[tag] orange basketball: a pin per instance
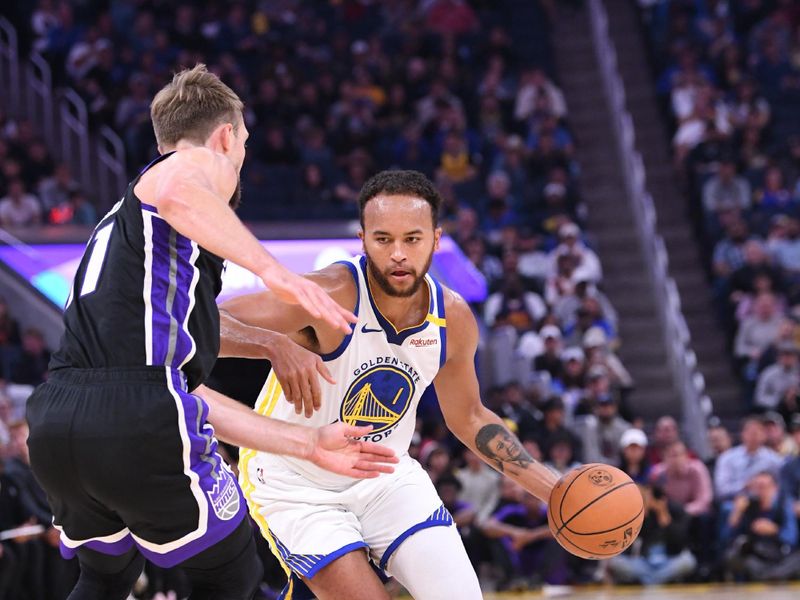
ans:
(595, 511)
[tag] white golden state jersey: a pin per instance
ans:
(380, 374)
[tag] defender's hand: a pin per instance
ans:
(298, 370)
(335, 450)
(293, 289)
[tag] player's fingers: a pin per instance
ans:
(326, 374)
(369, 466)
(316, 393)
(307, 396)
(356, 430)
(290, 391)
(306, 300)
(385, 453)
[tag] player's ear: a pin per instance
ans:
(437, 236)
(227, 137)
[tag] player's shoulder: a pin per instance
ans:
(337, 280)
(461, 323)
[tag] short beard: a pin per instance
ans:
(236, 197)
(386, 286)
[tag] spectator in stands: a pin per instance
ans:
(31, 366)
(573, 379)
(665, 556)
(786, 250)
(756, 275)
(571, 244)
(451, 17)
(735, 467)
(729, 252)
(665, 433)
(726, 190)
(549, 360)
(596, 348)
(480, 485)
(776, 437)
(567, 306)
(536, 91)
(790, 472)
(553, 428)
(55, 190)
(762, 528)
(719, 441)
(685, 480)
(633, 457)
(601, 432)
(19, 208)
(561, 455)
(527, 538)
(775, 197)
(588, 316)
(756, 332)
(77, 210)
(779, 384)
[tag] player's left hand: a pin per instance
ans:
(298, 370)
(336, 450)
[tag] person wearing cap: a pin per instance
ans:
(633, 457)
(777, 438)
(595, 345)
(778, 385)
(601, 432)
(569, 235)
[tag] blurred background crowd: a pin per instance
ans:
(467, 92)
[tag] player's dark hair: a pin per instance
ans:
(400, 183)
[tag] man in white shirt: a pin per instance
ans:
(18, 208)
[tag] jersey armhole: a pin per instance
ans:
(346, 341)
(443, 320)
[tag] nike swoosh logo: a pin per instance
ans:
(364, 329)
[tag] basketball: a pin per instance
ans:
(595, 511)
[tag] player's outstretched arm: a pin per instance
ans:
(476, 426)
(193, 198)
(332, 447)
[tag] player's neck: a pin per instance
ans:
(402, 312)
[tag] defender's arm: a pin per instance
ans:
(193, 198)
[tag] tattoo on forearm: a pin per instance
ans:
(501, 446)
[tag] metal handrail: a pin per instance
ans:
(9, 64)
(111, 154)
(40, 96)
(75, 121)
(683, 361)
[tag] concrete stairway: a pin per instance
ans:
(653, 142)
(626, 279)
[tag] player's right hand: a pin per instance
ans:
(298, 371)
(294, 289)
(336, 449)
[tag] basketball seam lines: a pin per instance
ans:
(601, 496)
(572, 531)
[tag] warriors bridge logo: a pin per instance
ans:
(379, 397)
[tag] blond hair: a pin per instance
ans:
(192, 105)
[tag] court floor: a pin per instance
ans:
(698, 592)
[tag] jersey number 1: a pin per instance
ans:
(97, 257)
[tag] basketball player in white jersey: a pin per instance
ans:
(412, 335)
